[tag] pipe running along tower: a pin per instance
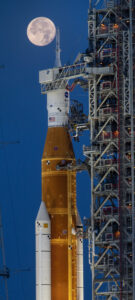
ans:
(107, 70)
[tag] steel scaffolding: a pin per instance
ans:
(111, 153)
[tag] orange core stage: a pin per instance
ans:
(59, 195)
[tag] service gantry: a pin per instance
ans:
(111, 29)
(107, 70)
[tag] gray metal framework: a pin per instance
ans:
(111, 152)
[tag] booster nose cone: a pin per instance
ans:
(43, 214)
(43, 254)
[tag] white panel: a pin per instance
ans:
(58, 107)
(45, 242)
(100, 70)
(43, 292)
(46, 76)
(80, 294)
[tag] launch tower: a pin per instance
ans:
(111, 153)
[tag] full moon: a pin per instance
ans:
(41, 31)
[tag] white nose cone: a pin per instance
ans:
(43, 254)
(43, 214)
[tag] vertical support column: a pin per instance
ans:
(92, 217)
(126, 71)
(69, 237)
(92, 29)
(132, 137)
(92, 113)
(92, 97)
(92, 105)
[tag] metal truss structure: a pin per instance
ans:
(107, 69)
(111, 154)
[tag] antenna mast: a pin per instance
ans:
(58, 50)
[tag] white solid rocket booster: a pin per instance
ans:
(43, 254)
(80, 282)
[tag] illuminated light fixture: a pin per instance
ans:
(115, 26)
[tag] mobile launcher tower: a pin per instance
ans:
(107, 70)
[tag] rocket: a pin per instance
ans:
(59, 231)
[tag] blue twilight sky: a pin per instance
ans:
(23, 119)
